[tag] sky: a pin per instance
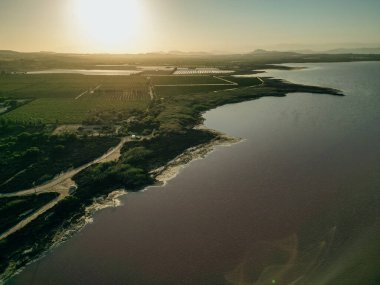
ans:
(139, 26)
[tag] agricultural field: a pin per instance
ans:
(243, 81)
(63, 85)
(45, 86)
(170, 91)
(71, 111)
(70, 98)
(186, 85)
(75, 98)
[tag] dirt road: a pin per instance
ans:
(60, 185)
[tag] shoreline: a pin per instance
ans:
(162, 175)
(173, 168)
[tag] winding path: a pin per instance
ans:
(60, 185)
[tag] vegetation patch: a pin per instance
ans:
(29, 155)
(15, 209)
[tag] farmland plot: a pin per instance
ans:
(66, 99)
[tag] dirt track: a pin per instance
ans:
(60, 185)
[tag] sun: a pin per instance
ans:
(110, 24)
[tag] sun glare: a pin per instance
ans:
(110, 24)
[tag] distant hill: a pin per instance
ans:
(263, 52)
(354, 50)
(8, 53)
(177, 52)
(12, 61)
(332, 51)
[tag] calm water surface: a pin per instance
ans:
(296, 201)
(86, 72)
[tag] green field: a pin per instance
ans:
(70, 111)
(72, 98)
(170, 91)
(64, 85)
